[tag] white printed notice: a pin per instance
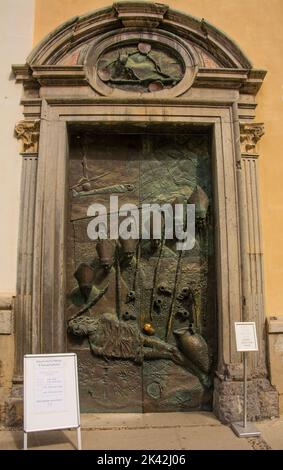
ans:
(51, 394)
(49, 385)
(246, 339)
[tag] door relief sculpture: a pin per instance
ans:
(141, 313)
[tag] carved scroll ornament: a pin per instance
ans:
(28, 133)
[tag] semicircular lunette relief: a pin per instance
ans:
(141, 67)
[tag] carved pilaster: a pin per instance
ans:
(249, 138)
(228, 388)
(28, 133)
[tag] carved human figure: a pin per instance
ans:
(86, 295)
(97, 282)
(127, 251)
(112, 338)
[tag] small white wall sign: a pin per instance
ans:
(51, 393)
(246, 338)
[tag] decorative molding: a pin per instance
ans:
(59, 75)
(29, 156)
(207, 36)
(254, 81)
(28, 133)
(22, 72)
(249, 138)
(79, 75)
(32, 107)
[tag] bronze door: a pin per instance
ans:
(140, 313)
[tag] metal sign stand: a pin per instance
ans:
(245, 429)
(79, 439)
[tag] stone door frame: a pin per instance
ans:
(59, 96)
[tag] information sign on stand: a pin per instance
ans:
(51, 393)
(246, 340)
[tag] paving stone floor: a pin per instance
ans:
(162, 431)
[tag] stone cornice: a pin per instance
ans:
(59, 75)
(247, 81)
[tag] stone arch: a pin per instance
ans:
(69, 39)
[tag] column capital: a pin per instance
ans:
(28, 133)
(250, 134)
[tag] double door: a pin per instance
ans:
(140, 313)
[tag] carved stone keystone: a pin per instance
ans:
(140, 13)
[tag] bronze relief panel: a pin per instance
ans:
(141, 314)
(141, 63)
(140, 67)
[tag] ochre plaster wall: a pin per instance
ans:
(256, 25)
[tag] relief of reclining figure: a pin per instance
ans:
(111, 338)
